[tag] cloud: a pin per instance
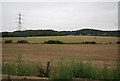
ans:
(61, 15)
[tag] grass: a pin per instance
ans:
(76, 68)
(63, 69)
(21, 68)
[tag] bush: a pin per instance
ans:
(110, 42)
(118, 42)
(22, 41)
(53, 42)
(8, 41)
(87, 42)
(93, 42)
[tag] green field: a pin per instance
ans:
(65, 39)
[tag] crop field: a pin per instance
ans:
(74, 60)
(99, 53)
(66, 39)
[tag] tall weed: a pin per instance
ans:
(21, 68)
(76, 68)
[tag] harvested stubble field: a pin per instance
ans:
(104, 52)
(99, 53)
(65, 39)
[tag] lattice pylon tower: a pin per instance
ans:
(20, 22)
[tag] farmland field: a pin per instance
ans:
(99, 53)
(66, 39)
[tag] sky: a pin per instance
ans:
(60, 16)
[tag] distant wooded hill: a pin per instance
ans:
(89, 32)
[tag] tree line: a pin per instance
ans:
(31, 33)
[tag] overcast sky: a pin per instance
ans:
(61, 16)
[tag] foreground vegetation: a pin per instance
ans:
(21, 68)
(76, 68)
(61, 69)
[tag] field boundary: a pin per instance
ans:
(30, 78)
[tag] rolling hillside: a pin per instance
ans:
(88, 32)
